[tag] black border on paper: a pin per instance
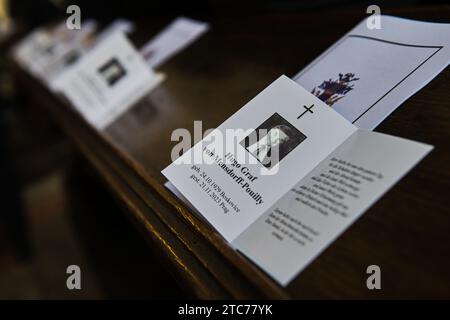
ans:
(385, 41)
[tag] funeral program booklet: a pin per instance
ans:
(174, 38)
(286, 174)
(369, 72)
(107, 81)
(49, 50)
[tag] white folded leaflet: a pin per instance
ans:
(49, 50)
(107, 81)
(283, 213)
(177, 36)
(36, 43)
(63, 63)
(312, 138)
(368, 73)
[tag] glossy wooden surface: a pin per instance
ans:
(406, 233)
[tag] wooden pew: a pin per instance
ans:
(406, 233)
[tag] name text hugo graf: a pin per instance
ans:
(238, 173)
(243, 180)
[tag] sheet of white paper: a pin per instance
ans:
(64, 64)
(327, 201)
(48, 51)
(232, 195)
(119, 25)
(177, 36)
(35, 44)
(107, 81)
(367, 74)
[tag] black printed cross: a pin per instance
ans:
(307, 109)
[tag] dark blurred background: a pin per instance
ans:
(55, 210)
(39, 11)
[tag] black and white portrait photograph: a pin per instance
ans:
(273, 140)
(112, 71)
